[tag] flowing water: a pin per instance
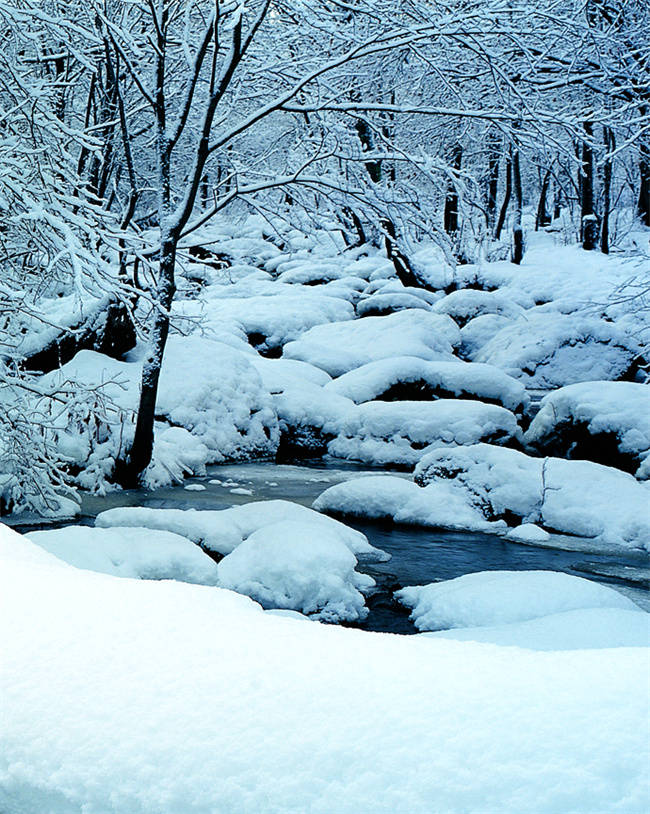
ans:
(418, 555)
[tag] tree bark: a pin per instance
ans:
(610, 145)
(542, 218)
(493, 184)
(588, 217)
(450, 218)
(643, 204)
(517, 228)
(506, 200)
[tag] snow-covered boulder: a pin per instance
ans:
(570, 497)
(547, 349)
(298, 566)
(342, 346)
(309, 418)
(389, 302)
(478, 332)
(221, 531)
(401, 432)
(409, 378)
(280, 374)
(469, 303)
(139, 553)
(501, 597)
(605, 422)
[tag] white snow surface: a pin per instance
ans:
(223, 530)
(298, 566)
(587, 628)
(502, 597)
(139, 553)
(619, 408)
(342, 346)
(459, 379)
(401, 432)
(190, 698)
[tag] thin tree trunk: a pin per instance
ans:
(610, 145)
(643, 205)
(588, 218)
(506, 200)
(451, 198)
(542, 218)
(493, 184)
(517, 228)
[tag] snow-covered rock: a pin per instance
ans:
(280, 374)
(389, 302)
(605, 422)
(342, 346)
(501, 597)
(221, 531)
(139, 553)
(546, 349)
(111, 688)
(571, 497)
(478, 332)
(528, 533)
(298, 566)
(401, 432)
(410, 378)
(469, 303)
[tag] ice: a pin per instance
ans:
(298, 566)
(401, 377)
(502, 597)
(129, 552)
(223, 530)
(124, 695)
(342, 346)
(617, 409)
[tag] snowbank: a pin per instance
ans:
(186, 698)
(605, 422)
(502, 597)
(298, 566)
(129, 552)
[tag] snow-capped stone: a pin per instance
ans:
(139, 553)
(501, 597)
(298, 566)
(605, 422)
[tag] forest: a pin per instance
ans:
(324, 406)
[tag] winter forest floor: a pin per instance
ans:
(191, 647)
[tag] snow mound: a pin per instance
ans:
(401, 432)
(584, 629)
(389, 302)
(502, 597)
(280, 374)
(547, 349)
(129, 552)
(410, 378)
(571, 497)
(342, 346)
(298, 566)
(478, 332)
(162, 697)
(605, 422)
(469, 303)
(223, 530)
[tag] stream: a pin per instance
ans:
(418, 555)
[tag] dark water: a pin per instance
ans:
(418, 555)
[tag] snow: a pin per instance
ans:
(190, 698)
(528, 533)
(546, 349)
(621, 409)
(590, 628)
(279, 374)
(297, 566)
(457, 379)
(475, 487)
(342, 346)
(388, 302)
(467, 304)
(502, 597)
(401, 432)
(129, 552)
(223, 530)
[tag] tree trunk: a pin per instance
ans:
(517, 228)
(610, 145)
(643, 205)
(451, 198)
(493, 184)
(542, 218)
(506, 200)
(588, 218)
